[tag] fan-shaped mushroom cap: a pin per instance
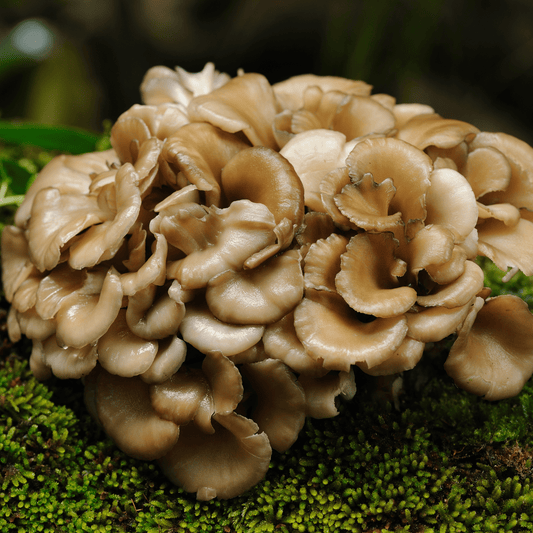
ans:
(323, 262)
(142, 122)
(322, 393)
(450, 202)
(68, 174)
(507, 213)
(66, 362)
(126, 413)
(330, 330)
(313, 154)
(184, 397)
(403, 113)
(225, 382)
(259, 296)
(290, 92)
(507, 246)
(432, 324)
(16, 263)
(262, 175)
(152, 316)
(151, 271)
(432, 130)
(458, 292)
(365, 204)
(170, 356)
(233, 107)
(55, 219)
(492, 356)
(519, 155)
(29, 323)
(217, 239)
(408, 167)
(123, 353)
(161, 84)
(227, 463)
(280, 408)
(404, 358)
(368, 280)
(208, 334)
(281, 343)
(102, 241)
(487, 170)
(199, 151)
(85, 316)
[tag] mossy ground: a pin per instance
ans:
(444, 462)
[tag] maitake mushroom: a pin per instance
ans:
(217, 275)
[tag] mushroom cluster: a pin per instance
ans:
(215, 277)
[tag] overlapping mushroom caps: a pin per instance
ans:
(216, 276)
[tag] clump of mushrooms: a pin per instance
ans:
(215, 277)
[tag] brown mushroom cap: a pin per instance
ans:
(507, 246)
(330, 330)
(170, 356)
(322, 393)
(16, 263)
(199, 151)
(208, 334)
(290, 92)
(227, 463)
(404, 358)
(233, 107)
(313, 154)
(280, 342)
(492, 356)
(66, 362)
(126, 413)
(68, 174)
(264, 176)
(123, 353)
(408, 167)
(216, 240)
(258, 296)
(184, 397)
(368, 280)
(280, 409)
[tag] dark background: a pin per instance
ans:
(469, 59)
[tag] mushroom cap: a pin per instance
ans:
(184, 397)
(123, 353)
(68, 174)
(290, 92)
(208, 334)
(330, 330)
(127, 416)
(280, 342)
(66, 362)
(258, 296)
(280, 408)
(368, 280)
(223, 465)
(232, 108)
(322, 393)
(407, 166)
(264, 176)
(313, 154)
(216, 240)
(493, 354)
(171, 353)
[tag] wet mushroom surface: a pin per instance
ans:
(245, 251)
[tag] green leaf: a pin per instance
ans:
(49, 137)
